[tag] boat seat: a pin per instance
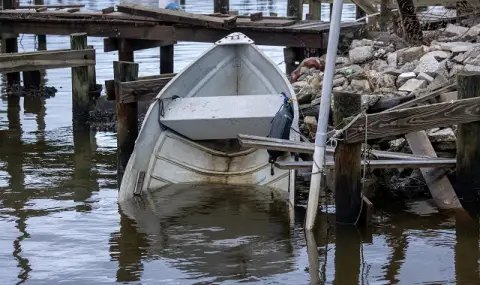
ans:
(222, 117)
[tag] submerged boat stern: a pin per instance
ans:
(232, 88)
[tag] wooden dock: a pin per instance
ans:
(275, 32)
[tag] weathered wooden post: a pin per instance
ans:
(127, 121)
(468, 148)
(80, 84)
(221, 6)
(315, 9)
(411, 25)
(291, 54)
(166, 59)
(33, 79)
(92, 75)
(348, 186)
(11, 46)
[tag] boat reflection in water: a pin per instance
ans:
(215, 232)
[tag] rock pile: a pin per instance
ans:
(386, 71)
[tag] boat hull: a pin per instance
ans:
(234, 68)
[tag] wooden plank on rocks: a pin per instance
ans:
(375, 164)
(178, 17)
(429, 96)
(440, 187)
(45, 60)
(409, 120)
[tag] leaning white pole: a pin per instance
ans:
(321, 136)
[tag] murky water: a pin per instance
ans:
(60, 221)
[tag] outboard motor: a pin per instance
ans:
(280, 128)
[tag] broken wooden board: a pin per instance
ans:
(53, 6)
(426, 97)
(413, 119)
(440, 187)
(305, 147)
(143, 89)
(176, 17)
(16, 62)
(375, 164)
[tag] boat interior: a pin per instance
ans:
(230, 90)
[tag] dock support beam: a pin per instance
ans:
(348, 186)
(166, 59)
(127, 114)
(468, 148)
(221, 6)
(80, 84)
(11, 46)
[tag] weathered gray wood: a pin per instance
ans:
(429, 96)
(11, 47)
(110, 89)
(46, 60)
(53, 6)
(98, 29)
(92, 74)
(80, 84)
(301, 147)
(108, 10)
(8, 4)
(295, 8)
(438, 184)
(409, 120)
(166, 59)
(128, 45)
(315, 9)
(256, 16)
(171, 16)
(31, 79)
(468, 147)
(376, 164)
(127, 114)
(348, 187)
(221, 6)
(142, 89)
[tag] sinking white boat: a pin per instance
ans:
(189, 134)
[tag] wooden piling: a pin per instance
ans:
(166, 59)
(80, 84)
(315, 9)
(348, 199)
(221, 6)
(92, 75)
(289, 57)
(32, 79)
(11, 46)
(410, 22)
(42, 39)
(468, 148)
(127, 114)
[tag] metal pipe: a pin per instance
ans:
(321, 135)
